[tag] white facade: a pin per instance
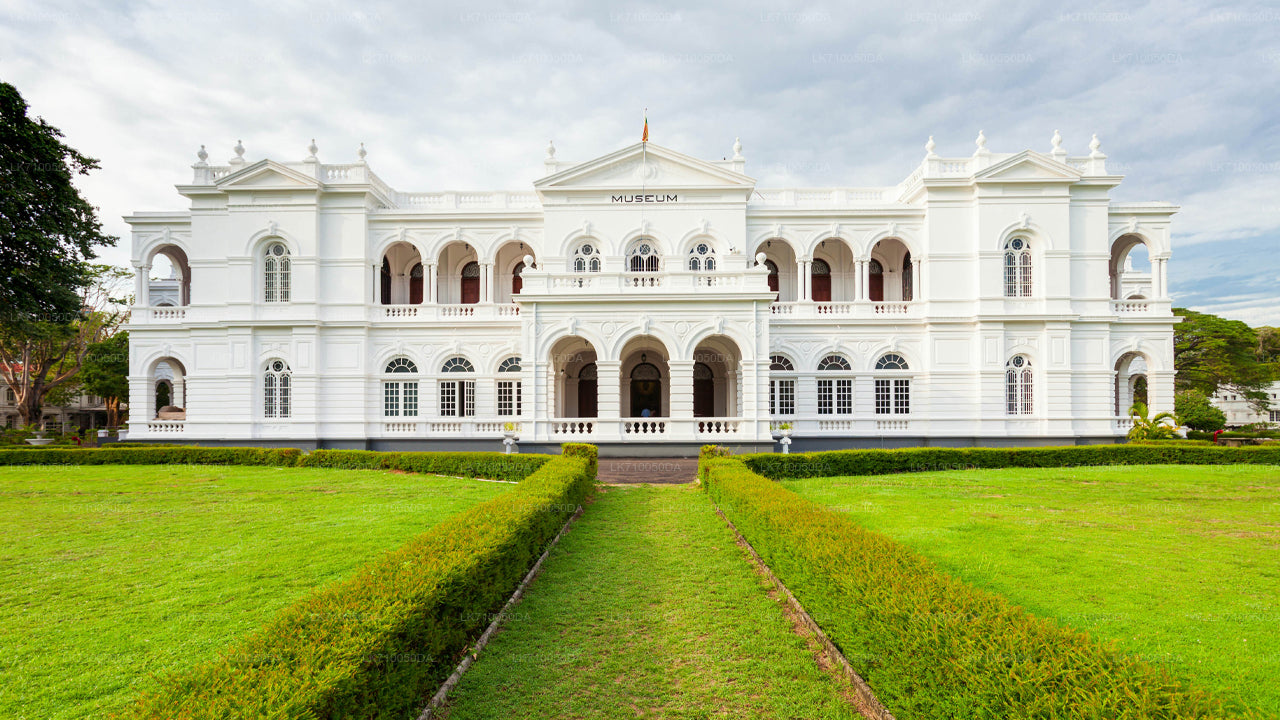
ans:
(980, 300)
(1240, 413)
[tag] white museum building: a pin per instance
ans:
(649, 301)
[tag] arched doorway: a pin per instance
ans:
(415, 284)
(821, 274)
(1130, 269)
(169, 389)
(471, 283)
(588, 391)
(875, 289)
(704, 391)
(781, 263)
(1131, 384)
(890, 257)
(385, 281)
(517, 282)
(646, 389)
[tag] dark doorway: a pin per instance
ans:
(471, 283)
(517, 282)
(588, 391)
(385, 278)
(821, 281)
(704, 391)
(908, 278)
(415, 285)
(773, 276)
(876, 273)
(646, 390)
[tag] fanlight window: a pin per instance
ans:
(457, 365)
(643, 257)
(780, 363)
(820, 267)
(702, 371)
(586, 259)
(511, 364)
(891, 361)
(471, 270)
(1018, 386)
(401, 365)
(702, 257)
(834, 362)
(1017, 267)
(276, 274)
(276, 386)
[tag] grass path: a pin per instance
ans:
(109, 574)
(647, 608)
(1179, 565)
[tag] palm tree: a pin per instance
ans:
(1160, 427)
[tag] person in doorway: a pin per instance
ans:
(645, 413)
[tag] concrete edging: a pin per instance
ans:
(869, 705)
(474, 652)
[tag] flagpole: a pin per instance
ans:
(644, 166)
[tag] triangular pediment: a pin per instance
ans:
(647, 165)
(266, 175)
(1028, 166)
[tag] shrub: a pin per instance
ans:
(152, 455)
(929, 645)
(1173, 441)
(879, 462)
(378, 644)
(590, 452)
(1196, 411)
(490, 465)
(714, 451)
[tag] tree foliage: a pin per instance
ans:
(47, 230)
(39, 357)
(1160, 427)
(1196, 412)
(1211, 353)
(105, 372)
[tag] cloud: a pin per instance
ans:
(456, 95)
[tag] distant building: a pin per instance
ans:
(1240, 412)
(85, 412)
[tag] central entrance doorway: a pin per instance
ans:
(704, 391)
(587, 391)
(646, 390)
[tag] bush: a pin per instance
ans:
(490, 465)
(1189, 442)
(879, 462)
(378, 644)
(152, 455)
(1195, 411)
(714, 451)
(929, 645)
(589, 452)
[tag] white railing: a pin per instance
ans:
(863, 309)
(400, 311)
(834, 308)
(468, 200)
(541, 282)
(400, 428)
(1124, 423)
(893, 425)
(717, 427)
(819, 197)
(430, 312)
(165, 426)
(892, 308)
(1123, 307)
(168, 314)
(573, 426)
(635, 427)
(834, 425)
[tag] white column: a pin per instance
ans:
(866, 280)
(804, 280)
(1163, 278)
(917, 279)
(429, 282)
(486, 276)
(857, 279)
(681, 388)
(608, 388)
(141, 289)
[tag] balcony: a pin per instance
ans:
(859, 309)
(1142, 308)
(671, 282)
(431, 312)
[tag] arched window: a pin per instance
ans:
(1018, 391)
(892, 394)
(782, 391)
(908, 277)
(835, 395)
(400, 396)
(780, 363)
(510, 400)
(834, 362)
(457, 397)
(702, 257)
(820, 273)
(875, 274)
(276, 274)
(586, 259)
(643, 256)
(276, 396)
(1017, 267)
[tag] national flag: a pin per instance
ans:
(645, 136)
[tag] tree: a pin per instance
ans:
(38, 357)
(47, 230)
(1211, 353)
(105, 372)
(1160, 427)
(1196, 412)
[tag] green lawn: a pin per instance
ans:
(647, 608)
(111, 573)
(1179, 565)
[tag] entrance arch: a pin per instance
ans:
(645, 380)
(1131, 384)
(576, 389)
(716, 381)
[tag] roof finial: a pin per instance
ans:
(737, 150)
(981, 142)
(1094, 145)
(929, 146)
(1058, 153)
(239, 151)
(313, 150)
(551, 150)
(202, 154)
(361, 153)
(1057, 140)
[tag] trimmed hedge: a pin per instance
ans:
(590, 452)
(165, 455)
(379, 644)
(879, 462)
(490, 465)
(929, 645)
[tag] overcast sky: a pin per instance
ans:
(1184, 96)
